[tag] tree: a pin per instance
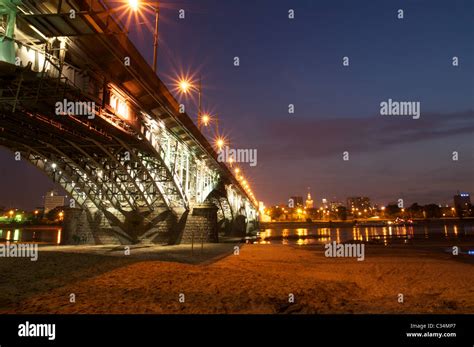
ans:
(392, 210)
(342, 213)
(53, 215)
(275, 213)
(415, 210)
(432, 211)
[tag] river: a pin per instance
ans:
(382, 235)
(39, 234)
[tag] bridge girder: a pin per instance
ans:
(171, 165)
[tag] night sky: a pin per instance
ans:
(337, 108)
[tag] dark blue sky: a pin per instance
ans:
(299, 62)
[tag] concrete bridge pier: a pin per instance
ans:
(81, 226)
(201, 225)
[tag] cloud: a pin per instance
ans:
(315, 138)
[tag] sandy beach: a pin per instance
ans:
(261, 279)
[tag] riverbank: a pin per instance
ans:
(260, 279)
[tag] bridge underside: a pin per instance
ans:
(134, 168)
(119, 189)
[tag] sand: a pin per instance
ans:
(261, 279)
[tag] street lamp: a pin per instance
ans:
(185, 86)
(205, 119)
(135, 6)
(220, 142)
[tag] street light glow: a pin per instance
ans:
(205, 119)
(220, 142)
(134, 4)
(184, 86)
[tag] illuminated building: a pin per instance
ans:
(53, 200)
(358, 203)
(462, 203)
(309, 202)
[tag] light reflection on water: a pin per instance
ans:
(382, 235)
(49, 235)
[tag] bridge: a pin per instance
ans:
(79, 102)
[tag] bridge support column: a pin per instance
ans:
(201, 224)
(239, 226)
(79, 227)
(76, 229)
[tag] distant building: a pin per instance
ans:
(52, 200)
(334, 205)
(462, 203)
(325, 203)
(309, 202)
(297, 201)
(358, 203)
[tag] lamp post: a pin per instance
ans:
(135, 6)
(200, 103)
(155, 37)
(185, 87)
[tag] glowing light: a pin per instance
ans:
(220, 142)
(119, 105)
(237, 170)
(205, 119)
(58, 240)
(184, 86)
(134, 4)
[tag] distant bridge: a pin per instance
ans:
(136, 169)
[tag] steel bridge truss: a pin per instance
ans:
(122, 168)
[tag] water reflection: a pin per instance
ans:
(47, 235)
(376, 234)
